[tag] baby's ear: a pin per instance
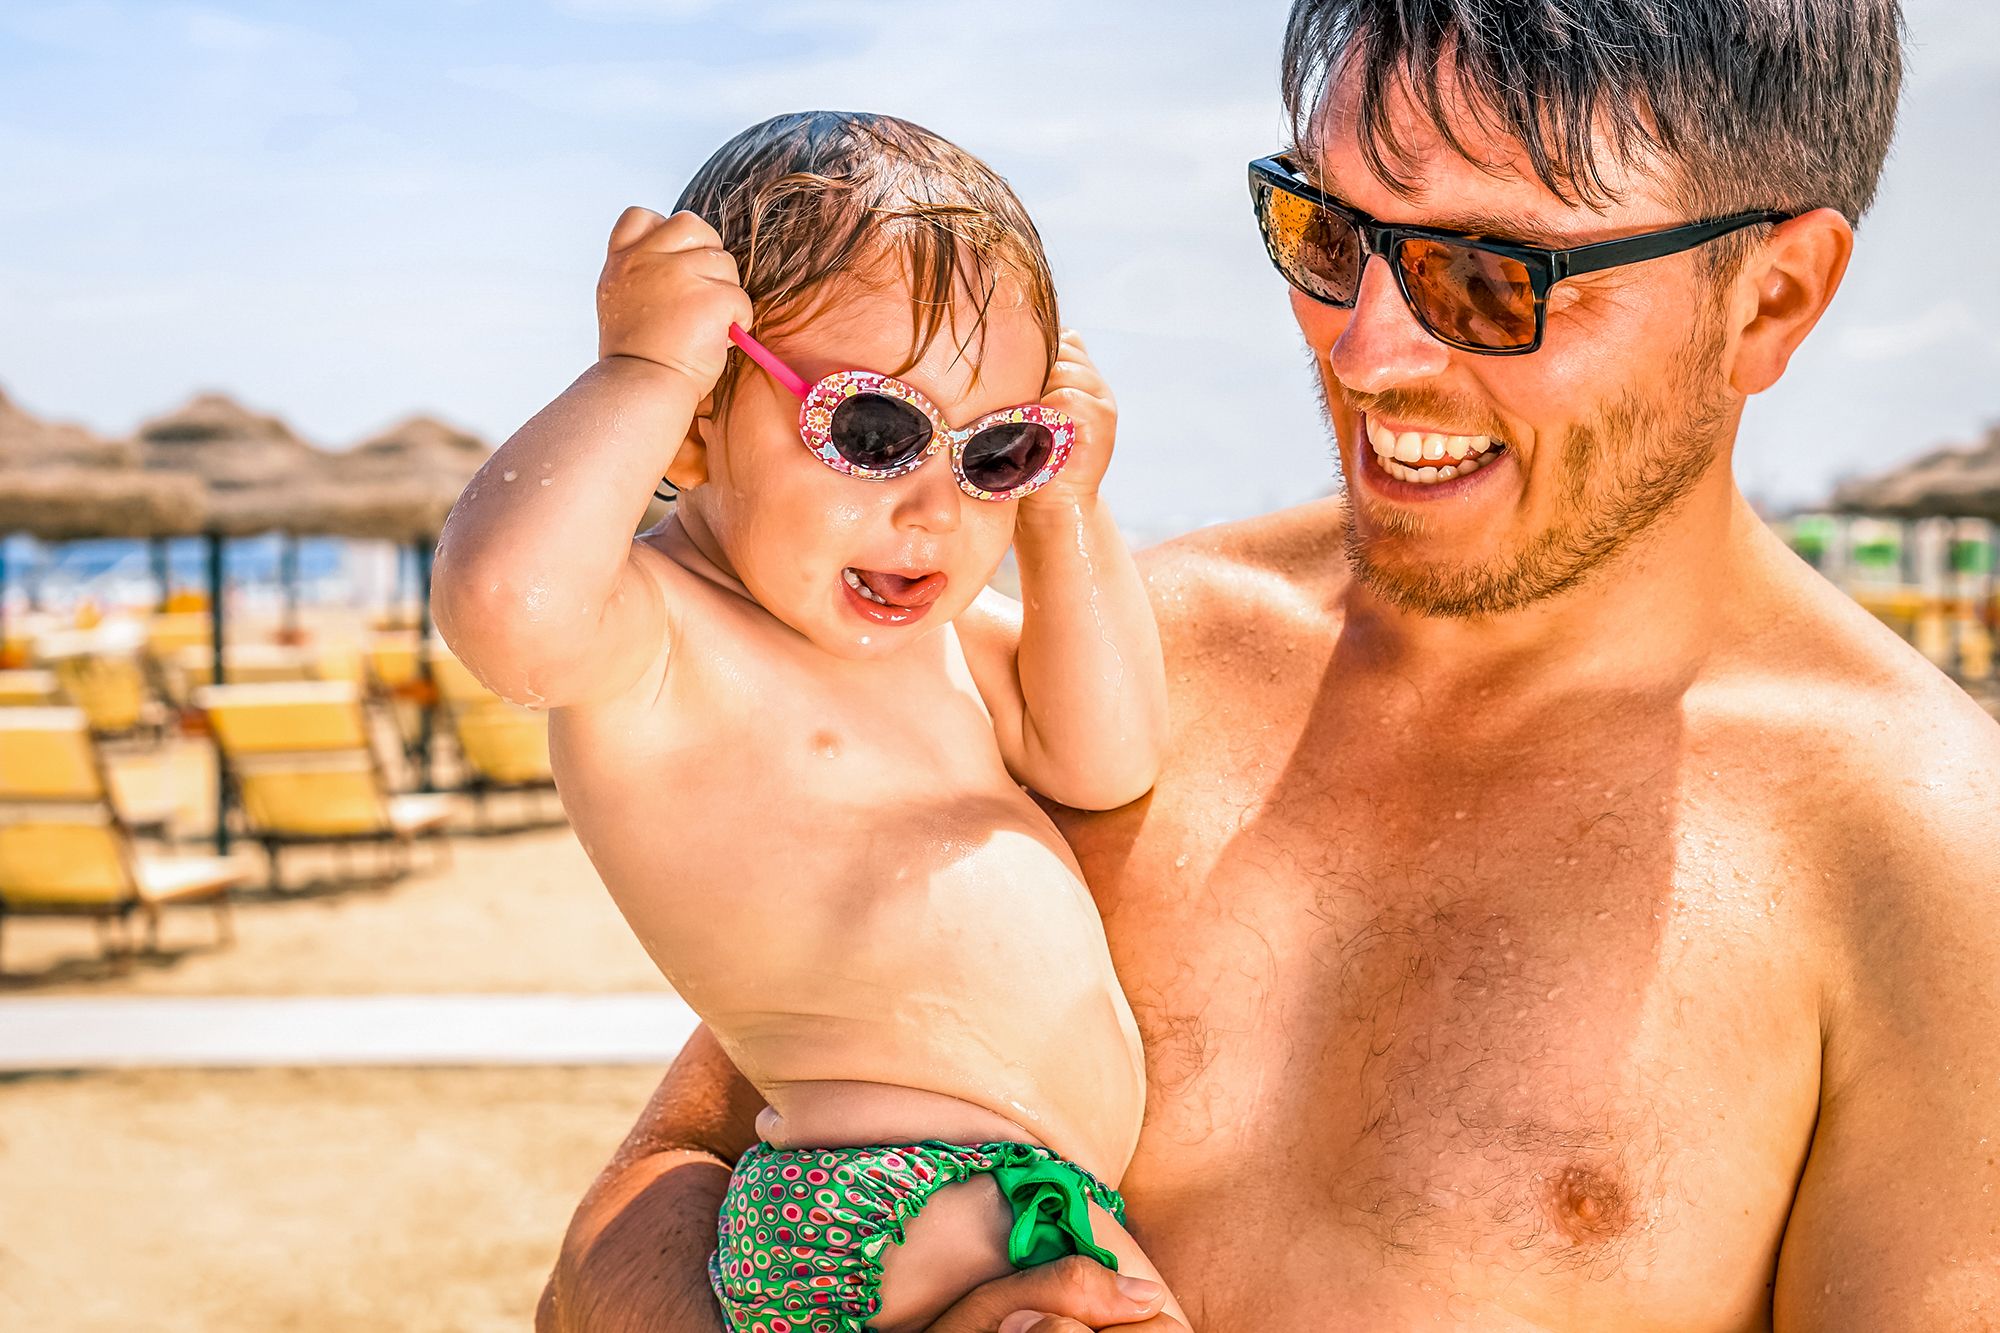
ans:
(689, 467)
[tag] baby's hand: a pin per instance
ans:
(1075, 387)
(668, 294)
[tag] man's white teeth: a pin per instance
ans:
(1432, 473)
(854, 582)
(1427, 456)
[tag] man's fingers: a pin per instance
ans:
(1034, 1321)
(1074, 1289)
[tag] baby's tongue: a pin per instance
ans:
(904, 592)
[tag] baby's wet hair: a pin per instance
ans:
(809, 196)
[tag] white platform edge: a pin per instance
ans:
(213, 1032)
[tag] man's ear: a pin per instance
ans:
(689, 467)
(1783, 290)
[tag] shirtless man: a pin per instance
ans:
(1561, 909)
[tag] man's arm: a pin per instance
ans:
(635, 1259)
(1897, 1222)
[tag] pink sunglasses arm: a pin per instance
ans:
(764, 357)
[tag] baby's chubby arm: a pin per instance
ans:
(539, 586)
(1073, 675)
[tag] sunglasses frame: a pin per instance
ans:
(1546, 267)
(818, 401)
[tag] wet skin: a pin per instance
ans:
(1626, 961)
(791, 731)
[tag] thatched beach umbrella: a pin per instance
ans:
(252, 467)
(1958, 482)
(61, 482)
(401, 485)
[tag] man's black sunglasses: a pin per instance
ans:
(1469, 292)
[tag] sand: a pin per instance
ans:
(418, 1200)
(423, 1201)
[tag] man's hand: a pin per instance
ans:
(1075, 387)
(668, 293)
(1075, 1295)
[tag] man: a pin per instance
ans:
(1561, 909)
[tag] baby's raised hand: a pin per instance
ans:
(668, 294)
(1075, 387)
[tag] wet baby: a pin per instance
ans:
(792, 727)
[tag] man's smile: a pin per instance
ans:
(1427, 457)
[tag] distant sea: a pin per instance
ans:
(118, 572)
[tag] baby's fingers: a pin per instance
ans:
(642, 229)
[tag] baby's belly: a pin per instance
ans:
(838, 1114)
(966, 979)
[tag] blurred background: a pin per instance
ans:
(312, 1012)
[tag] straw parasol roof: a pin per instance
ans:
(28, 441)
(1958, 482)
(61, 482)
(401, 484)
(258, 472)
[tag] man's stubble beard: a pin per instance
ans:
(1624, 470)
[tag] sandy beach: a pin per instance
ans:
(423, 1201)
(319, 1199)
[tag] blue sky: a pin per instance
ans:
(345, 212)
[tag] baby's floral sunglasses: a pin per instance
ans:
(877, 427)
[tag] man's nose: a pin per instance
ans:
(930, 500)
(1383, 347)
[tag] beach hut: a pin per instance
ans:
(1961, 481)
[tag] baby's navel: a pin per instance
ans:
(826, 744)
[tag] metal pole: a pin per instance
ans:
(288, 574)
(423, 550)
(162, 573)
(215, 593)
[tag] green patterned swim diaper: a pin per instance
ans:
(802, 1231)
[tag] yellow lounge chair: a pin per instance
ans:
(302, 770)
(48, 755)
(504, 747)
(64, 851)
(396, 682)
(29, 689)
(111, 690)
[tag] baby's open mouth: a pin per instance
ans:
(894, 598)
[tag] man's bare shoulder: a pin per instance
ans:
(1889, 772)
(1275, 573)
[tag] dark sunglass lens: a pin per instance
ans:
(877, 432)
(1473, 298)
(1318, 251)
(1000, 458)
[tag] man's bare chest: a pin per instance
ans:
(1495, 1023)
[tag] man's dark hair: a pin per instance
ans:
(1782, 104)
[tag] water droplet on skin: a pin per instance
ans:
(1180, 862)
(1458, 814)
(546, 480)
(509, 475)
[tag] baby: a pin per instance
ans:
(792, 729)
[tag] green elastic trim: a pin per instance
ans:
(1051, 1214)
